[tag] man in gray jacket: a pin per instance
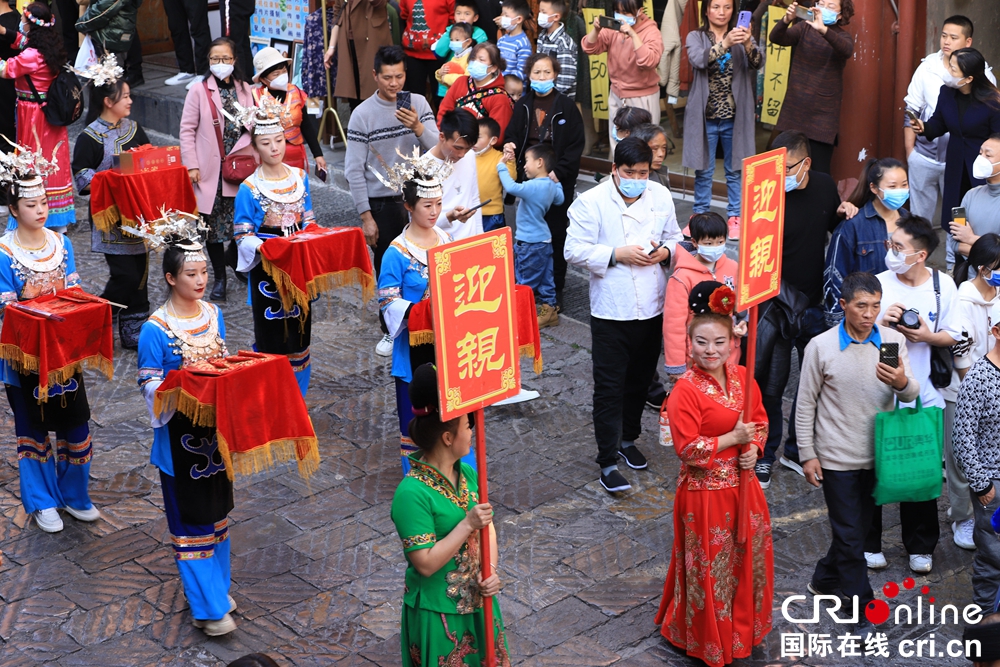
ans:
(842, 387)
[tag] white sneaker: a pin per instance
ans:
(963, 533)
(83, 515)
(232, 604)
(179, 78)
(48, 520)
(194, 82)
(384, 347)
(876, 561)
(223, 626)
(921, 563)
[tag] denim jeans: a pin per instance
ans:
(533, 267)
(718, 130)
(496, 221)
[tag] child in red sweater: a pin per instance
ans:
(708, 261)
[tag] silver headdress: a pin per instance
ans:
(425, 170)
(26, 168)
(262, 119)
(173, 229)
(104, 72)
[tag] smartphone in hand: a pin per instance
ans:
(403, 100)
(888, 354)
(804, 13)
(609, 23)
(744, 20)
(321, 174)
(958, 216)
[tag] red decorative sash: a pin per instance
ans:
(317, 260)
(421, 328)
(57, 350)
(254, 403)
(124, 198)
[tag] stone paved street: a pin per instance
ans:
(317, 568)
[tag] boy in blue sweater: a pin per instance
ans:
(532, 238)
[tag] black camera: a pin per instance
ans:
(909, 319)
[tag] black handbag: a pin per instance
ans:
(941, 359)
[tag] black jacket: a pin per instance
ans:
(567, 138)
(778, 324)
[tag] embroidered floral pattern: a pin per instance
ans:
(724, 565)
(463, 648)
(463, 581)
(421, 540)
(761, 546)
(713, 652)
(435, 480)
(415, 655)
(725, 475)
(707, 385)
(695, 567)
(699, 452)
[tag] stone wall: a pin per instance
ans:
(985, 14)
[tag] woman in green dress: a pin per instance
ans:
(438, 518)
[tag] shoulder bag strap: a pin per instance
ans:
(38, 98)
(937, 298)
(215, 119)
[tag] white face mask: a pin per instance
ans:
(221, 71)
(544, 20)
(897, 263)
(982, 168)
(279, 82)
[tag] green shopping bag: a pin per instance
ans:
(908, 452)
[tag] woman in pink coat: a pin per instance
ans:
(215, 97)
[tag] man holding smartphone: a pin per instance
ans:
(843, 385)
(378, 128)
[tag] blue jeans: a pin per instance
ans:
(491, 222)
(717, 130)
(533, 267)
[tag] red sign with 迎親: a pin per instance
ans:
(762, 228)
(472, 304)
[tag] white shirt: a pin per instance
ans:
(975, 322)
(599, 222)
(461, 189)
(922, 298)
(922, 97)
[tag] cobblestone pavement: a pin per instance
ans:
(317, 568)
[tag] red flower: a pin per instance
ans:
(722, 301)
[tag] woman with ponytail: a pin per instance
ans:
(858, 243)
(37, 66)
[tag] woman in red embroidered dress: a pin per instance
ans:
(717, 598)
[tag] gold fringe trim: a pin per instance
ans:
(22, 362)
(422, 337)
(176, 399)
(304, 451)
(111, 218)
(292, 295)
(528, 352)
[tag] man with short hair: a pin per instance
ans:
(842, 387)
(812, 211)
(909, 285)
(981, 203)
(926, 157)
(459, 133)
(623, 231)
(376, 130)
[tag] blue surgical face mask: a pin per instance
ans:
(894, 198)
(456, 46)
(478, 70)
(543, 87)
(829, 16)
(627, 20)
(632, 187)
(22, 28)
(994, 279)
(712, 253)
(618, 138)
(792, 180)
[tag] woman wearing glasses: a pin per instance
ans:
(859, 243)
(210, 111)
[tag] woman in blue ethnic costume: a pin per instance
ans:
(109, 132)
(404, 279)
(197, 494)
(438, 517)
(273, 202)
(36, 261)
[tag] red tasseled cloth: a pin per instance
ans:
(528, 338)
(124, 198)
(316, 260)
(57, 350)
(229, 394)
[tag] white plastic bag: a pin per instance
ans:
(87, 56)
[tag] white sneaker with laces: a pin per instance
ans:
(179, 78)
(194, 82)
(963, 533)
(876, 561)
(48, 520)
(921, 563)
(384, 347)
(223, 626)
(83, 515)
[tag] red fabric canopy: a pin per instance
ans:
(316, 260)
(528, 338)
(124, 198)
(255, 405)
(58, 350)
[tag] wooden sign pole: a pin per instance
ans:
(744, 512)
(485, 550)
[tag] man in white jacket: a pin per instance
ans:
(624, 232)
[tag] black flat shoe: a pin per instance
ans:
(218, 290)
